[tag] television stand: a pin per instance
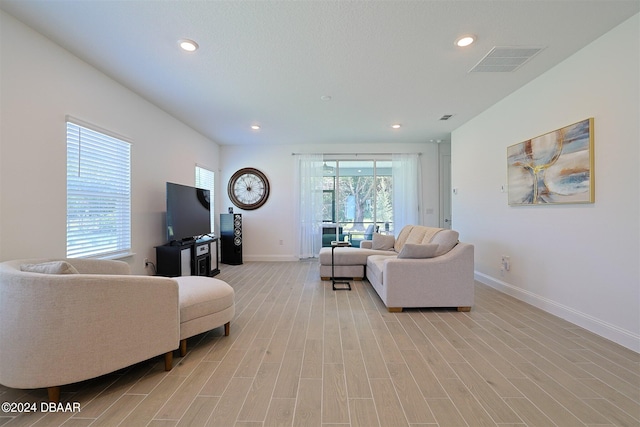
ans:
(188, 258)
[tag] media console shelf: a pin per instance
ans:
(193, 258)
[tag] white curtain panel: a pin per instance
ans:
(407, 190)
(309, 173)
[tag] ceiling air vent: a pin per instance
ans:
(505, 59)
(446, 117)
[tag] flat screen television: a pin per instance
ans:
(188, 212)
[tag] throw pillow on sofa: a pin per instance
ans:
(447, 239)
(410, 250)
(383, 242)
(53, 267)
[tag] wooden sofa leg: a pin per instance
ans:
(168, 360)
(464, 309)
(394, 309)
(183, 347)
(325, 279)
(227, 326)
(54, 394)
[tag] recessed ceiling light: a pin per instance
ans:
(325, 97)
(188, 45)
(465, 40)
(255, 127)
(396, 126)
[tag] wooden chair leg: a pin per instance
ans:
(183, 347)
(226, 329)
(54, 394)
(168, 360)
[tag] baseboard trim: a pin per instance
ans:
(606, 330)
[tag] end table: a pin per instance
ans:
(336, 244)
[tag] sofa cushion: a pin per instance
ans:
(366, 244)
(349, 255)
(383, 242)
(52, 267)
(410, 250)
(430, 233)
(446, 240)
(415, 234)
(402, 237)
(375, 267)
(201, 296)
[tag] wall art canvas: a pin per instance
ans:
(557, 167)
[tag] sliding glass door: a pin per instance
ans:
(357, 200)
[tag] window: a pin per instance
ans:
(98, 193)
(329, 204)
(205, 179)
(358, 193)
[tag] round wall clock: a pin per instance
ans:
(248, 188)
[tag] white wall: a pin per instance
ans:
(263, 228)
(580, 262)
(40, 84)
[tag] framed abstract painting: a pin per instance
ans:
(557, 167)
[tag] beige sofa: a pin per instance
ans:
(57, 328)
(422, 267)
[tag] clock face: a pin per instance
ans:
(248, 189)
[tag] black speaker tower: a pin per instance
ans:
(231, 238)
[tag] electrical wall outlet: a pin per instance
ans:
(506, 262)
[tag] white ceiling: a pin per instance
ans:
(270, 62)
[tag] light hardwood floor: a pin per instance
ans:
(300, 354)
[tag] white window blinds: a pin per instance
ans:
(205, 179)
(98, 193)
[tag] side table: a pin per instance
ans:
(336, 244)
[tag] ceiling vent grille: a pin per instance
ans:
(505, 59)
(446, 117)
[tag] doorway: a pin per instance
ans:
(444, 153)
